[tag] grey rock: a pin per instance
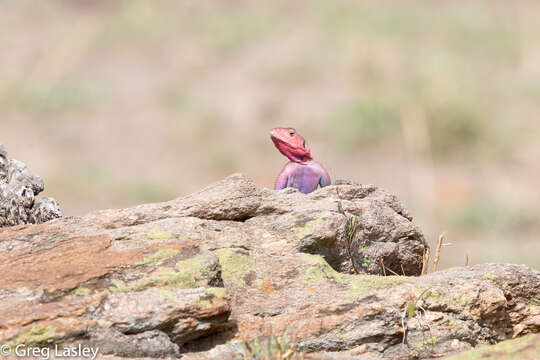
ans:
(18, 195)
(355, 228)
(152, 344)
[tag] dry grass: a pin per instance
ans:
(438, 252)
(272, 348)
(425, 262)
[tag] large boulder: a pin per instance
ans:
(201, 274)
(19, 188)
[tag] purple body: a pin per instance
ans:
(304, 177)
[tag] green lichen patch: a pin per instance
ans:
(236, 265)
(534, 302)
(205, 303)
(441, 298)
(194, 272)
(309, 227)
(167, 293)
(464, 299)
(158, 256)
(343, 335)
(431, 294)
(494, 279)
(525, 347)
(216, 292)
(363, 284)
(431, 342)
(319, 270)
(199, 271)
(171, 279)
(81, 290)
(119, 286)
(156, 234)
(452, 325)
(88, 287)
(489, 276)
(35, 337)
(166, 277)
(210, 293)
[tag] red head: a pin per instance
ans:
(291, 144)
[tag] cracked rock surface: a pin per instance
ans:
(19, 188)
(195, 276)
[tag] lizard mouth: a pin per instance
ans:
(279, 143)
(294, 153)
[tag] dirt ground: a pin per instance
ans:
(119, 103)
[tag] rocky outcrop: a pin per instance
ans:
(524, 348)
(18, 195)
(201, 274)
(369, 317)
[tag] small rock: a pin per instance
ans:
(18, 191)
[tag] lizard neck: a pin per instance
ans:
(294, 154)
(291, 144)
(300, 160)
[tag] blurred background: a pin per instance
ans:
(117, 103)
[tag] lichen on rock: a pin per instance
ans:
(197, 275)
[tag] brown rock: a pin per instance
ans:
(233, 262)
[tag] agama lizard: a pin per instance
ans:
(302, 172)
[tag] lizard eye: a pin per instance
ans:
(291, 133)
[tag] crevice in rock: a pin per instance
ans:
(267, 314)
(210, 341)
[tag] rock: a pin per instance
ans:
(403, 317)
(355, 228)
(153, 344)
(524, 348)
(18, 191)
(199, 275)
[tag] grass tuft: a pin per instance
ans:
(271, 348)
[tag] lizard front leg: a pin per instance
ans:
(281, 181)
(325, 179)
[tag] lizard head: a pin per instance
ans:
(291, 144)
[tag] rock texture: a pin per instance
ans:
(18, 195)
(198, 275)
(524, 348)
